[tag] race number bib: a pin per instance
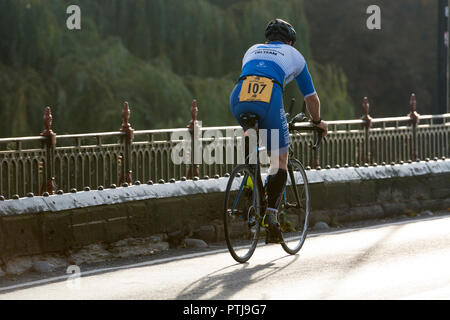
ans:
(256, 88)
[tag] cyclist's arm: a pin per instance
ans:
(313, 106)
(305, 83)
(312, 101)
(306, 86)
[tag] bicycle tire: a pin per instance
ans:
(242, 214)
(294, 211)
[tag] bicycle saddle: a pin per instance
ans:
(248, 120)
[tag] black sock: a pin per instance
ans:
(274, 187)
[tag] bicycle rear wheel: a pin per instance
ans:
(242, 213)
(294, 208)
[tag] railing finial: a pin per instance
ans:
(367, 124)
(194, 112)
(126, 126)
(48, 120)
(192, 169)
(125, 174)
(412, 110)
(366, 116)
(48, 184)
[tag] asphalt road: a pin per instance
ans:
(406, 260)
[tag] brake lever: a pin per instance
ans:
(301, 117)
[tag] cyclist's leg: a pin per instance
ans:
(277, 146)
(276, 182)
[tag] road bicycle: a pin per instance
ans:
(245, 200)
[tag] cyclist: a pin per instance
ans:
(266, 69)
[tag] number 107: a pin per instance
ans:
(254, 87)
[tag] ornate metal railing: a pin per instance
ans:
(50, 163)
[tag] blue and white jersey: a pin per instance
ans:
(278, 61)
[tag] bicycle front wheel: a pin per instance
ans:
(242, 213)
(294, 208)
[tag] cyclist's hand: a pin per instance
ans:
(324, 126)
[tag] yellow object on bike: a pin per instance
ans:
(249, 184)
(263, 223)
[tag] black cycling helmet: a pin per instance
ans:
(279, 29)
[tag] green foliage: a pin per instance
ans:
(213, 96)
(331, 85)
(96, 88)
(335, 101)
(23, 97)
(158, 55)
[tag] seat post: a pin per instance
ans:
(247, 144)
(250, 121)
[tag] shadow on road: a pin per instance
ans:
(232, 279)
(352, 266)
